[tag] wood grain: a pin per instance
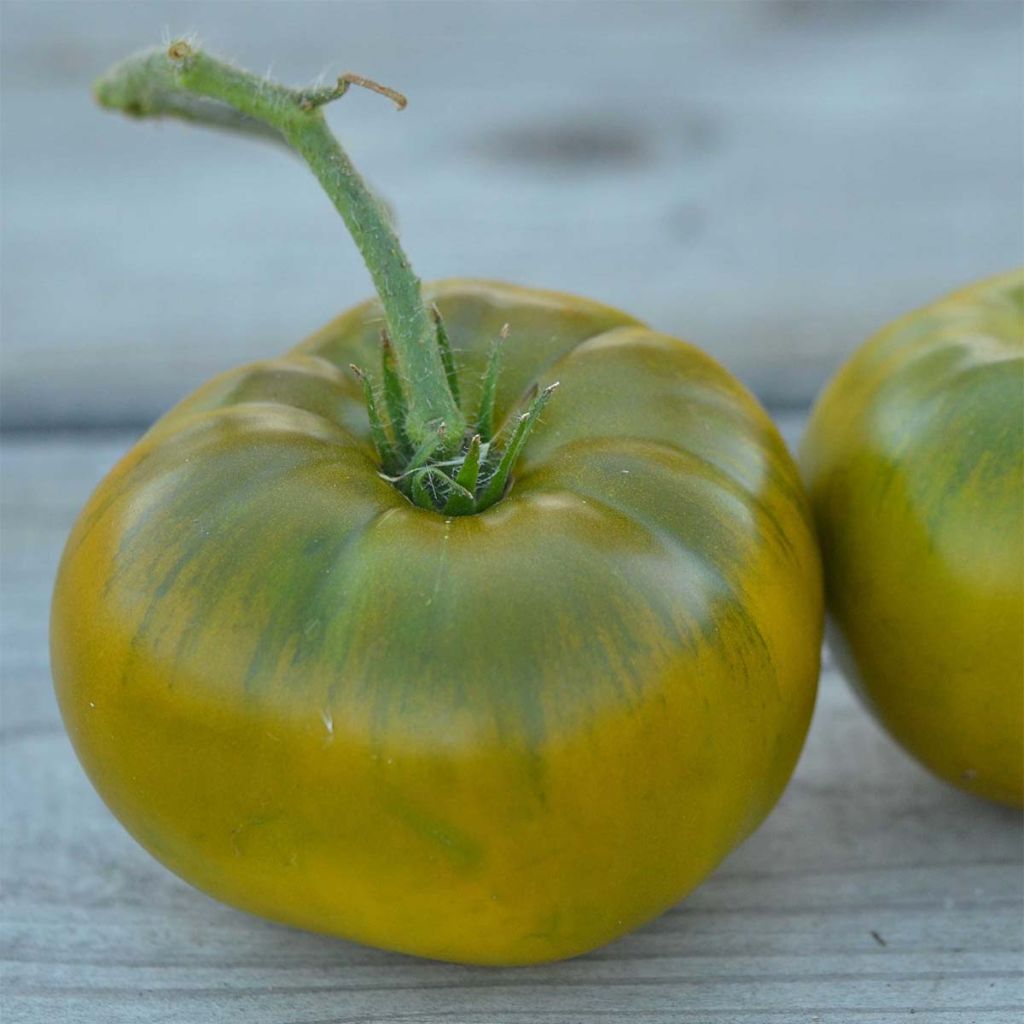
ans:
(772, 181)
(873, 894)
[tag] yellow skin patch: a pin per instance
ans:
(914, 458)
(500, 738)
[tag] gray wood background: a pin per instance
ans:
(772, 181)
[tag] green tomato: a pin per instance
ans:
(915, 462)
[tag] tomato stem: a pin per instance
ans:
(184, 82)
(416, 424)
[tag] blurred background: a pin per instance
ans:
(770, 180)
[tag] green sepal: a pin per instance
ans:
(446, 355)
(462, 498)
(495, 487)
(394, 396)
(420, 495)
(425, 450)
(485, 417)
(424, 498)
(378, 433)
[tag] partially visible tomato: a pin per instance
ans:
(915, 461)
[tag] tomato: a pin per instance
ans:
(505, 737)
(419, 657)
(914, 457)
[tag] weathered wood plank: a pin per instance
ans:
(770, 180)
(872, 894)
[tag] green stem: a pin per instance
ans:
(145, 85)
(186, 83)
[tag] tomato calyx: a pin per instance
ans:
(429, 475)
(427, 445)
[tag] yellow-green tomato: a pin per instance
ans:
(915, 461)
(498, 738)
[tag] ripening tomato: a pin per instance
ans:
(391, 658)
(915, 461)
(504, 737)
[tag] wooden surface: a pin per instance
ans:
(772, 181)
(873, 894)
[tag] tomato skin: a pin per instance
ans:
(502, 738)
(914, 458)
